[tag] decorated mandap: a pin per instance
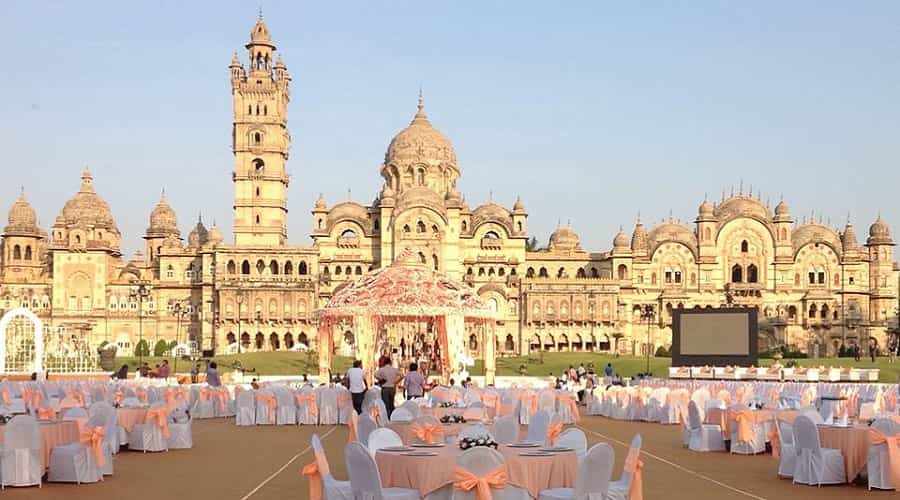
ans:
(411, 313)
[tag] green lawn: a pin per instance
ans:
(296, 363)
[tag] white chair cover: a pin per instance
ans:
(20, 454)
(506, 429)
(365, 482)
(309, 408)
(331, 488)
(263, 415)
(401, 415)
(365, 425)
(592, 482)
(286, 409)
(328, 407)
(574, 438)
(481, 461)
(148, 436)
(877, 463)
(815, 465)
(703, 437)
(537, 427)
(344, 404)
(75, 462)
(111, 438)
(757, 444)
(620, 489)
(383, 438)
(180, 434)
(787, 459)
(246, 409)
(200, 408)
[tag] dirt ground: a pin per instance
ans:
(263, 463)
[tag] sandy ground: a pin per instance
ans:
(263, 463)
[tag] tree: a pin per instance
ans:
(142, 348)
(160, 348)
(532, 245)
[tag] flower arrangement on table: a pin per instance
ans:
(453, 419)
(447, 404)
(473, 441)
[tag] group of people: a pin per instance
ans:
(389, 378)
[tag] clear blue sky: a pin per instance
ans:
(591, 111)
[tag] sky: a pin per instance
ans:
(592, 112)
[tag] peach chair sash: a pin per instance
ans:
(490, 399)
(161, 415)
(119, 396)
(530, 399)
(893, 453)
(170, 397)
(465, 480)
(46, 413)
(344, 400)
(311, 470)
(569, 399)
(32, 396)
(141, 394)
(93, 440)
(775, 440)
(4, 394)
(428, 433)
(635, 466)
(374, 412)
(744, 420)
(76, 395)
(268, 400)
(351, 427)
(310, 400)
(553, 432)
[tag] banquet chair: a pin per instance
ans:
(81, 462)
(111, 436)
(266, 406)
(383, 438)
(365, 482)
(377, 410)
(592, 481)
(151, 435)
(77, 415)
(574, 438)
(756, 443)
(246, 409)
(20, 453)
(423, 422)
(815, 465)
(866, 412)
(286, 407)
(878, 464)
(508, 405)
(401, 415)
(481, 462)
(308, 408)
(787, 459)
(506, 430)
(537, 427)
(477, 430)
(131, 402)
(620, 489)
(475, 411)
(703, 437)
(547, 400)
(332, 489)
(327, 406)
(412, 407)
(813, 414)
(202, 404)
(364, 428)
(180, 434)
(344, 404)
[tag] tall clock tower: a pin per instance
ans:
(260, 141)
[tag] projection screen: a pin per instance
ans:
(726, 336)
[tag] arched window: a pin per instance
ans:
(707, 234)
(752, 274)
(561, 272)
(258, 165)
(480, 271)
(17, 252)
(783, 234)
(792, 312)
(464, 227)
(288, 268)
(257, 138)
(420, 227)
(273, 267)
(491, 271)
(737, 274)
(338, 270)
(406, 229)
(543, 272)
(745, 247)
(231, 267)
(812, 311)
(622, 271)
(170, 272)
(249, 109)
(434, 262)
(529, 273)
(348, 271)
(594, 273)
(260, 267)
(420, 177)
(824, 312)
(321, 224)
(358, 271)
(260, 340)
(245, 267)
(301, 268)
(473, 342)
(28, 252)
(422, 258)
(580, 274)
(348, 233)
(492, 235)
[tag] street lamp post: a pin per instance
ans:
(178, 310)
(141, 293)
(239, 299)
(648, 314)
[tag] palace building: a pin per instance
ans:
(816, 287)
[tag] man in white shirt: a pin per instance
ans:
(356, 380)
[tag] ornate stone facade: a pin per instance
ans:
(816, 287)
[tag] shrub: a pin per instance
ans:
(160, 348)
(662, 352)
(142, 348)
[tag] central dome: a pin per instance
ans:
(87, 209)
(22, 217)
(420, 142)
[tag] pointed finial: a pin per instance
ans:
(569, 222)
(421, 100)
(491, 195)
(670, 215)
(260, 11)
(848, 218)
(741, 188)
(732, 190)
(638, 221)
(750, 191)
(348, 194)
(200, 217)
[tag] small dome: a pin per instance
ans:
(879, 232)
(162, 219)
(848, 238)
(639, 238)
(782, 213)
(198, 236)
(420, 142)
(260, 33)
(813, 233)
(706, 208)
(87, 208)
(565, 239)
(518, 206)
(621, 240)
(214, 236)
(742, 206)
(320, 203)
(235, 62)
(279, 64)
(672, 231)
(22, 217)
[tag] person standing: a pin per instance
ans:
(414, 383)
(387, 377)
(212, 375)
(356, 382)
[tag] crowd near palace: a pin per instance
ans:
(816, 287)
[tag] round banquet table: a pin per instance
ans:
(129, 417)
(853, 443)
(404, 430)
(53, 434)
(441, 412)
(718, 416)
(429, 474)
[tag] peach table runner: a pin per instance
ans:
(429, 474)
(405, 430)
(53, 434)
(853, 442)
(129, 417)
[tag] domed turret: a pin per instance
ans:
(214, 237)
(22, 218)
(848, 239)
(320, 203)
(706, 210)
(199, 235)
(162, 219)
(260, 33)
(518, 206)
(879, 233)
(564, 239)
(782, 213)
(639, 238)
(620, 242)
(88, 218)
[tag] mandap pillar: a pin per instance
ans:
(326, 345)
(490, 354)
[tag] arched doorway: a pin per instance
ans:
(535, 343)
(302, 339)
(230, 338)
(509, 345)
(245, 340)
(274, 342)
(21, 342)
(563, 344)
(288, 340)
(259, 341)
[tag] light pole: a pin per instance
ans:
(648, 314)
(179, 311)
(141, 293)
(239, 299)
